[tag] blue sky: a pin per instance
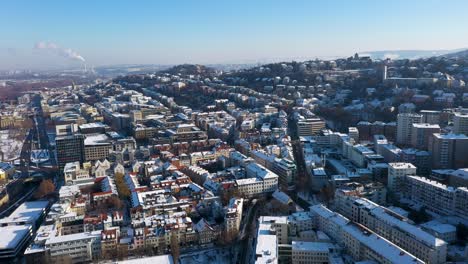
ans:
(168, 32)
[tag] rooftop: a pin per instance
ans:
(439, 227)
(401, 165)
(312, 246)
(162, 259)
(450, 136)
(28, 212)
(74, 237)
(12, 235)
(380, 245)
(266, 248)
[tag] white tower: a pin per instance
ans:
(384, 72)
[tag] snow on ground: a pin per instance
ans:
(215, 255)
(11, 143)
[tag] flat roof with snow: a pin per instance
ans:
(13, 235)
(162, 259)
(28, 212)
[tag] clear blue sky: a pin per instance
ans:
(205, 31)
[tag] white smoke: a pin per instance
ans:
(56, 49)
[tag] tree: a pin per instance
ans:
(227, 194)
(122, 188)
(462, 233)
(419, 216)
(45, 188)
(115, 202)
(327, 193)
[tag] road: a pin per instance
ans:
(245, 236)
(36, 132)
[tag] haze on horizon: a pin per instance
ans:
(57, 34)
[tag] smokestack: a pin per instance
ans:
(85, 68)
(384, 76)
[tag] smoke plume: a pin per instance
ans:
(56, 49)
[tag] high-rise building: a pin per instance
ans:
(421, 134)
(69, 149)
(309, 127)
(353, 133)
(460, 123)
(448, 151)
(430, 116)
(397, 172)
(405, 127)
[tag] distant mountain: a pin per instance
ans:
(459, 54)
(406, 54)
(190, 69)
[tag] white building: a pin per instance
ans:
(233, 216)
(73, 172)
(259, 181)
(76, 248)
(358, 241)
(28, 213)
(460, 123)
(272, 231)
(393, 227)
(405, 123)
(353, 133)
(311, 252)
(14, 239)
(397, 172)
(437, 197)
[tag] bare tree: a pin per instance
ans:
(46, 187)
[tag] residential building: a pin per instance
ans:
(397, 172)
(421, 134)
(449, 151)
(358, 241)
(437, 197)
(311, 252)
(460, 123)
(405, 123)
(393, 227)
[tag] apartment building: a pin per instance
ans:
(421, 134)
(397, 172)
(358, 241)
(74, 172)
(233, 216)
(437, 197)
(460, 123)
(405, 123)
(393, 227)
(258, 181)
(430, 116)
(449, 151)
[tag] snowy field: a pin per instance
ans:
(11, 142)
